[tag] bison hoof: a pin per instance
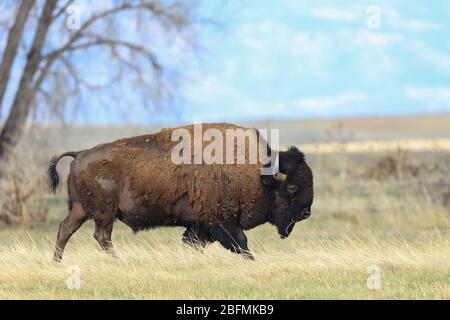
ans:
(248, 256)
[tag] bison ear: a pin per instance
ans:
(289, 160)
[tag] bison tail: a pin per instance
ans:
(53, 176)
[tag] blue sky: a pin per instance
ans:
(305, 59)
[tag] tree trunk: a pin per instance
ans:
(14, 36)
(15, 124)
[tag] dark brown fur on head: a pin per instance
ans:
(294, 193)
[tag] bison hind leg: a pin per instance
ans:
(103, 231)
(77, 216)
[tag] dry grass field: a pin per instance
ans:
(311, 265)
(381, 215)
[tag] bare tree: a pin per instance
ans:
(14, 37)
(51, 75)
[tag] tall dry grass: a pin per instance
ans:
(154, 265)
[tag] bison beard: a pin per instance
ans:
(135, 181)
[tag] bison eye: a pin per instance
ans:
(292, 189)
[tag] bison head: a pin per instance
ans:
(293, 191)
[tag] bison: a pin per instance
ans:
(136, 181)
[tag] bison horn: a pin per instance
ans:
(280, 177)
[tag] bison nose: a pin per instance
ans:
(306, 213)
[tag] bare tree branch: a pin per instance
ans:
(14, 36)
(63, 9)
(13, 127)
(117, 42)
(147, 5)
(56, 63)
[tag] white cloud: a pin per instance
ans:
(431, 55)
(421, 25)
(263, 35)
(432, 93)
(392, 15)
(326, 103)
(303, 43)
(394, 19)
(311, 54)
(204, 87)
(375, 39)
(270, 40)
(251, 40)
(432, 98)
(260, 108)
(333, 13)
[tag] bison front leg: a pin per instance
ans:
(196, 237)
(232, 239)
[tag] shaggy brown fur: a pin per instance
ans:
(135, 180)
